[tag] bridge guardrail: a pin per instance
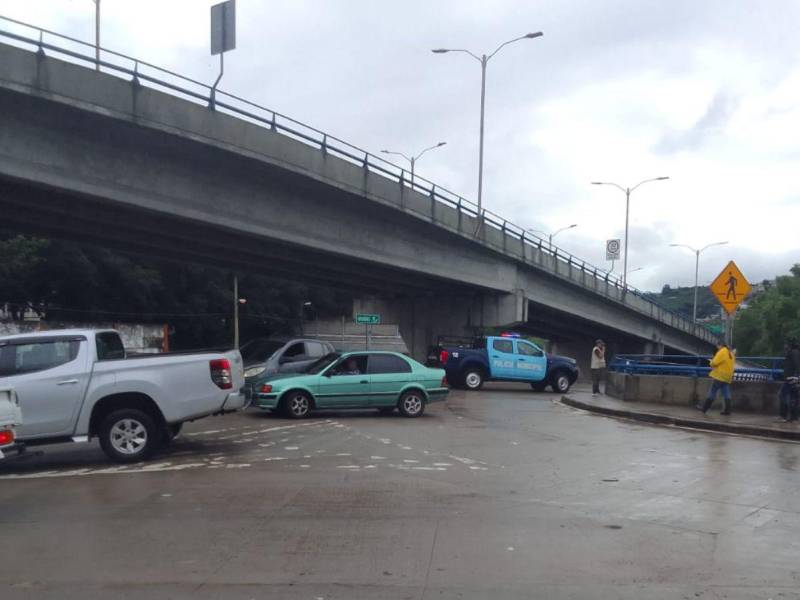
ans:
(748, 368)
(142, 72)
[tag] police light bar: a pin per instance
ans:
(510, 334)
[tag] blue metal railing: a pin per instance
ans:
(748, 368)
(143, 73)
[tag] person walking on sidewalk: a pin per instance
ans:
(598, 365)
(722, 367)
(788, 395)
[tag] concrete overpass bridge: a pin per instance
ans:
(145, 160)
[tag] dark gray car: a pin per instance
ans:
(281, 355)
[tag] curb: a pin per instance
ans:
(704, 425)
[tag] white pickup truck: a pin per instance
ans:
(74, 385)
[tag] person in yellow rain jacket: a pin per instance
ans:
(722, 367)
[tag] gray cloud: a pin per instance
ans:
(711, 124)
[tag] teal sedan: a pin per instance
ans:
(382, 380)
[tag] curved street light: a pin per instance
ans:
(627, 192)
(413, 159)
(550, 236)
(484, 59)
(697, 254)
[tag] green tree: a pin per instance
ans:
(771, 318)
(68, 281)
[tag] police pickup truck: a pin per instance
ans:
(504, 358)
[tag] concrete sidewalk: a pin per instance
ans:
(660, 414)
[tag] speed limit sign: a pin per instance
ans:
(612, 249)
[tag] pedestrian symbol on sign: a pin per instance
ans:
(732, 281)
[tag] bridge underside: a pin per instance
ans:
(89, 157)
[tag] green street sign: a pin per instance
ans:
(368, 319)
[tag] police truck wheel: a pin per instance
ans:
(560, 382)
(129, 435)
(473, 379)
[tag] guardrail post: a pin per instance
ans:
(272, 125)
(460, 212)
(433, 203)
(324, 145)
(135, 81)
(40, 52)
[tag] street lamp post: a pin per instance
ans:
(97, 35)
(627, 192)
(413, 159)
(484, 60)
(697, 254)
(550, 236)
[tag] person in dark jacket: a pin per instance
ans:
(788, 394)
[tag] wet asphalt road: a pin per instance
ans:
(499, 494)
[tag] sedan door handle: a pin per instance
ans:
(363, 381)
(67, 382)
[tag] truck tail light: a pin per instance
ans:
(444, 382)
(444, 356)
(265, 389)
(6, 437)
(221, 373)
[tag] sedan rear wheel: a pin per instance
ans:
(297, 405)
(411, 404)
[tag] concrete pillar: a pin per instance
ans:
(423, 319)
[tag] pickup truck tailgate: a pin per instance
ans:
(237, 398)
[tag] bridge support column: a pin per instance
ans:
(423, 319)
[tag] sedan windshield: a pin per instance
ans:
(319, 365)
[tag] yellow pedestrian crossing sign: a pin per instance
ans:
(731, 287)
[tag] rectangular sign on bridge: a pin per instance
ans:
(365, 319)
(223, 27)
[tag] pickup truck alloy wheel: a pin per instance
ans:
(128, 435)
(411, 404)
(297, 405)
(473, 380)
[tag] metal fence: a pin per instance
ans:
(748, 368)
(142, 73)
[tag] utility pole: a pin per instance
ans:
(97, 33)
(236, 312)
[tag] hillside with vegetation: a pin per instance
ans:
(771, 317)
(681, 299)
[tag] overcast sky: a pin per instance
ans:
(705, 92)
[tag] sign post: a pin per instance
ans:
(223, 37)
(367, 320)
(730, 288)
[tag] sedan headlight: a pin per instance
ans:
(254, 371)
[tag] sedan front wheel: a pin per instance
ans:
(297, 405)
